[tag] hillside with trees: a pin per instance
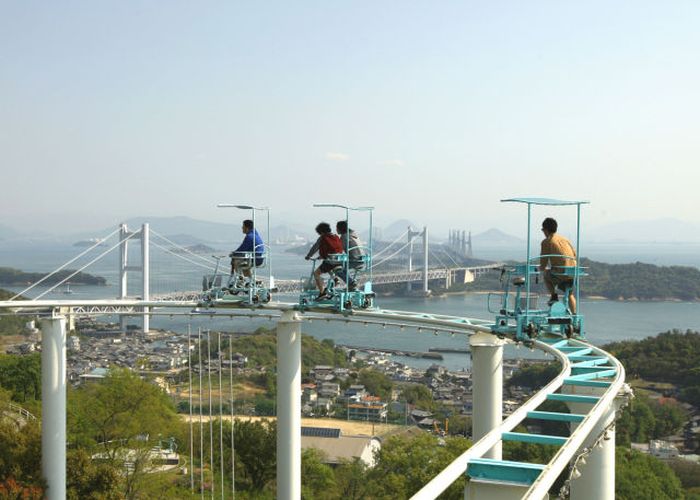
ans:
(15, 277)
(637, 281)
(11, 324)
(672, 357)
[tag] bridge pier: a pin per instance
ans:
(289, 406)
(53, 403)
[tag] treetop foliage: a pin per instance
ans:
(672, 357)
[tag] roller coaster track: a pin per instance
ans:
(591, 383)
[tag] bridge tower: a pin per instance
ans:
(411, 234)
(143, 235)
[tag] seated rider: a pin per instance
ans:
(326, 244)
(241, 256)
(560, 254)
(353, 247)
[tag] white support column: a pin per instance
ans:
(123, 273)
(145, 274)
(53, 403)
(410, 233)
(426, 290)
(487, 387)
(597, 479)
(289, 406)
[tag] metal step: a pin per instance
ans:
(524, 437)
(589, 361)
(504, 470)
(592, 372)
(586, 382)
(573, 398)
(581, 351)
(553, 415)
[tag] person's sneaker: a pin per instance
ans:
(323, 295)
(352, 287)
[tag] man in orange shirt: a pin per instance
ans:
(558, 252)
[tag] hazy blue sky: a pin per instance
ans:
(431, 111)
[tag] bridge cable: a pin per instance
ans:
(99, 242)
(206, 259)
(391, 256)
(208, 268)
(390, 245)
(443, 250)
(434, 255)
(85, 266)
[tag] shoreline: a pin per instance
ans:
(587, 297)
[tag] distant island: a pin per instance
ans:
(15, 277)
(199, 249)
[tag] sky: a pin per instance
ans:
(429, 111)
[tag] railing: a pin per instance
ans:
(26, 415)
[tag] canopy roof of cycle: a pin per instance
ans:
(546, 201)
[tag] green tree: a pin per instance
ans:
(317, 478)
(688, 472)
(404, 465)
(21, 375)
(12, 325)
(256, 451)
(376, 383)
(20, 454)
(641, 477)
(90, 480)
(418, 395)
(120, 417)
(351, 480)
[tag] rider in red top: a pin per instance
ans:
(326, 244)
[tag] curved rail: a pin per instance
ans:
(574, 355)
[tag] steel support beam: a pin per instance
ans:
(53, 403)
(289, 406)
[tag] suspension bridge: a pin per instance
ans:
(590, 383)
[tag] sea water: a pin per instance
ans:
(606, 321)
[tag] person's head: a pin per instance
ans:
(323, 228)
(549, 226)
(247, 226)
(341, 226)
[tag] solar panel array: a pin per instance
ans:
(320, 432)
